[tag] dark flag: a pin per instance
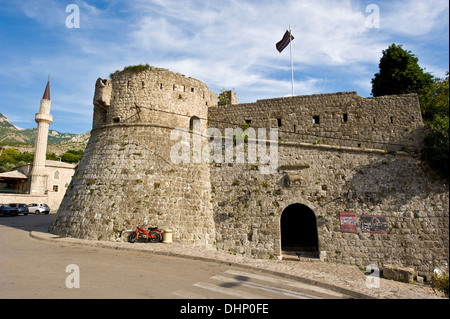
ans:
(287, 38)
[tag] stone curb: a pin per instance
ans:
(112, 245)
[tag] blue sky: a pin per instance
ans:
(226, 44)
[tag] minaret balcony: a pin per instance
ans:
(46, 118)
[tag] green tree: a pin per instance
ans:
(434, 99)
(399, 73)
(27, 157)
(10, 158)
(223, 98)
(434, 102)
(51, 156)
(436, 150)
(72, 156)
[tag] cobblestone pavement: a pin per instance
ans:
(342, 278)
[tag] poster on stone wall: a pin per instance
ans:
(374, 224)
(348, 222)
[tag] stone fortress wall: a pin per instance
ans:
(358, 155)
(249, 207)
(126, 177)
(389, 122)
(336, 152)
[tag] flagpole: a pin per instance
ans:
(292, 66)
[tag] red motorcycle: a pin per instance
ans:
(153, 235)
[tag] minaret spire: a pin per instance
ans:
(47, 90)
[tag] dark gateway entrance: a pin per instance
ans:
(299, 231)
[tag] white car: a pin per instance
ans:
(37, 208)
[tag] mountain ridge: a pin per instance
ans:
(10, 133)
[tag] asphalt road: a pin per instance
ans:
(31, 268)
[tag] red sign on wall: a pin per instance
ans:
(348, 222)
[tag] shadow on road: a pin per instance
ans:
(40, 222)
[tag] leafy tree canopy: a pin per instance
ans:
(435, 109)
(399, 73)
(223, 97)
(10, 158)
(434, 99)
(72, 156)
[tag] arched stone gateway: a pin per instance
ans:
(298, 227)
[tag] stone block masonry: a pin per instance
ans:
(126, 177)
(248, 207)
(336, 153)
(390, 122)
(398, 273)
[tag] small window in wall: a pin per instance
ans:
(316, 120)
(192, 90)
(248, 122)
(194, 124)
(374, 121)
(55, 188)
(174, 87)
(345, 117)
(160, 86)
(143, 84)
(128, 84)
(116, 119)
(392, 120)
(56, 175)
(279, 123)
(295, 128)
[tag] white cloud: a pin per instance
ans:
(416, 17)
(47, 12)
(226, 44)
(233, 42)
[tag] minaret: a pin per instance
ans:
(44, 119)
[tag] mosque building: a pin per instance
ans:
(43, 181)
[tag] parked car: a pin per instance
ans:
(7, 210)
(20, 208)
(38, 208)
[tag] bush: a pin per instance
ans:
(72, 156)
(440, 282)
(137, 68)
(10, 158)
(436, 150)
(134, 68)
(434, 102)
